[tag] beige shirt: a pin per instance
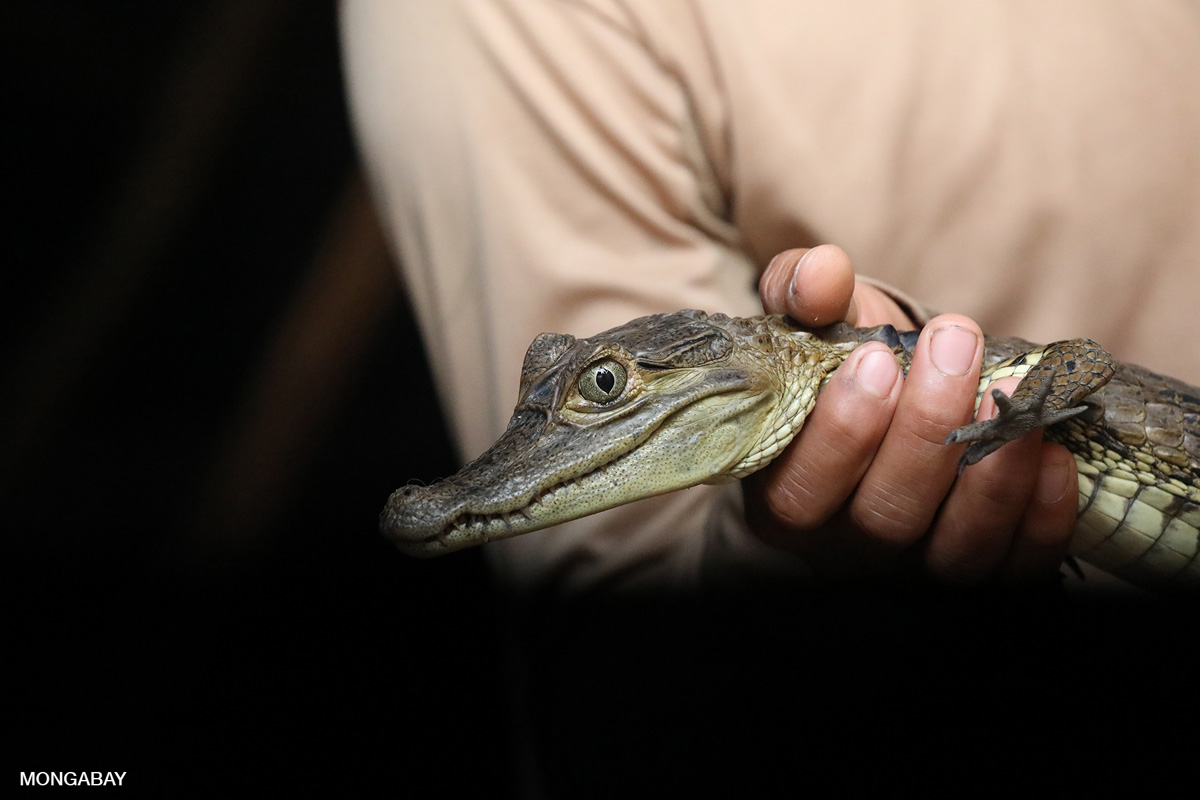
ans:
(546, 165)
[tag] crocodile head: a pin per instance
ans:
(658, 404)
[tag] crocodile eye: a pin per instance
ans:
(602, 381)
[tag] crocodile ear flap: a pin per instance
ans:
(545, 351)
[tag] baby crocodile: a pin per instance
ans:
(670, 401)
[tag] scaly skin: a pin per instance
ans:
(674, 400)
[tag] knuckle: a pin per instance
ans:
(793, 504)
(891, 517)
(970, 547)
(1000, 493)
(932, 422)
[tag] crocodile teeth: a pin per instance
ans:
(470, 520)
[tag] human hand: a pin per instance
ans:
(869, 486)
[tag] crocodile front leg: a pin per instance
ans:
(1055, 382)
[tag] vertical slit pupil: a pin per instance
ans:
(605, 380)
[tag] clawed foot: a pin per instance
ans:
(1014, 419)
(1055, 388)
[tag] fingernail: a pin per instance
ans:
(1053, 481)
(793, 285)
(953, 350)
(877, 371)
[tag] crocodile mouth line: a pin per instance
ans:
(470, 520)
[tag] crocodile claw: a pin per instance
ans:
(1012, 421)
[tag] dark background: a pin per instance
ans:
(211, 382)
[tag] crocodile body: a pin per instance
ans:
(670, 401)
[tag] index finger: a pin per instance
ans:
(914, 469)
